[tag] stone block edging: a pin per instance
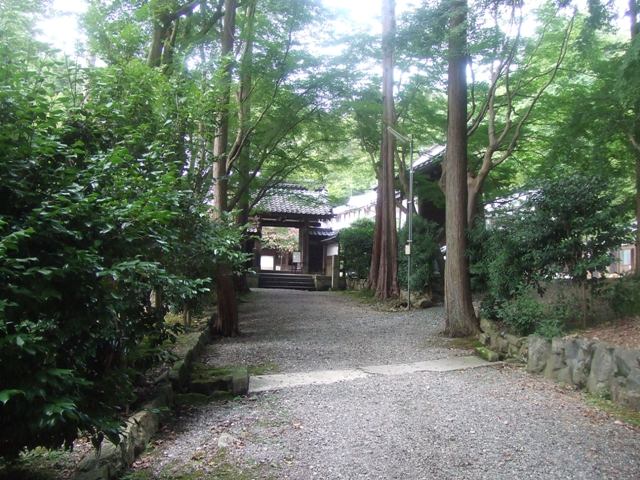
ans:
(602, 369)
(503, 344)
(112, 459)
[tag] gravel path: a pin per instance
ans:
(296, 331)
(496, 422)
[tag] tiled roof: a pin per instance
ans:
(430, 162)
(289, 199)
(321, 232)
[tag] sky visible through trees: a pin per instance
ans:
(61, 29)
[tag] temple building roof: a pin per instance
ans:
(294, 200)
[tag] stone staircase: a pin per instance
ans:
(291, 281)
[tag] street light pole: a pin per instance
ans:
(409, 246)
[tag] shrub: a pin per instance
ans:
(356, 244)
(623, 296)
(525, 314)
(425, 250)
(567, 227)
(95, 213)
(522, 313)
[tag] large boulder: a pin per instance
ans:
(538, 353)
(625, 386)
(499, 344)
(579, 361)
(603, 367)
(487, 326)
(557, 368)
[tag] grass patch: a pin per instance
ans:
(364, 296)
(199, 318)
(38, 464)
(621, 413)
(183, 343)
(263, 368)
(203, 373)
(219, 466)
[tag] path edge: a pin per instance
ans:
(112, 460)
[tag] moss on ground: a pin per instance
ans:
(464, 343)
(486, 354)
(183, 343)
(205, 373)
(39, 464)
(364, 296)
(191, 399)
(624, 414)
(218, 467)
(263, 368)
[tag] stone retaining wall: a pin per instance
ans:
(356, 283)
(503, 344)
(602, 369)
(112, 460)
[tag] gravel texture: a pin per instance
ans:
(296, 331)
(495, 422)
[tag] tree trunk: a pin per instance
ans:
(154, 57)
(386, 239)
(474, 187)
(227, 321)
(460, 320)
(635, 28)
(375, 249)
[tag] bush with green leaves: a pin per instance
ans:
(623, 294)
(356, 244)
(425, 250)
(566, 228)
(525, 314)
(95, 214)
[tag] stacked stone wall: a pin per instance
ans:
(600, 368)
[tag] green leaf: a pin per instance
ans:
(5, 395)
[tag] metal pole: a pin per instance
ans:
(409, 245)
(410, 220)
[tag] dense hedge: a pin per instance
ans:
(95, 213)
(565, 229)
(356, 244)
(425, 253)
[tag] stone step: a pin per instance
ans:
(286, 281)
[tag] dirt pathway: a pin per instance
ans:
(487, 422)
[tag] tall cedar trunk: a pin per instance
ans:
(461, 320)
(635, 28)
(226, 323)
(384, 262)
(474, 189)
(377, 233)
